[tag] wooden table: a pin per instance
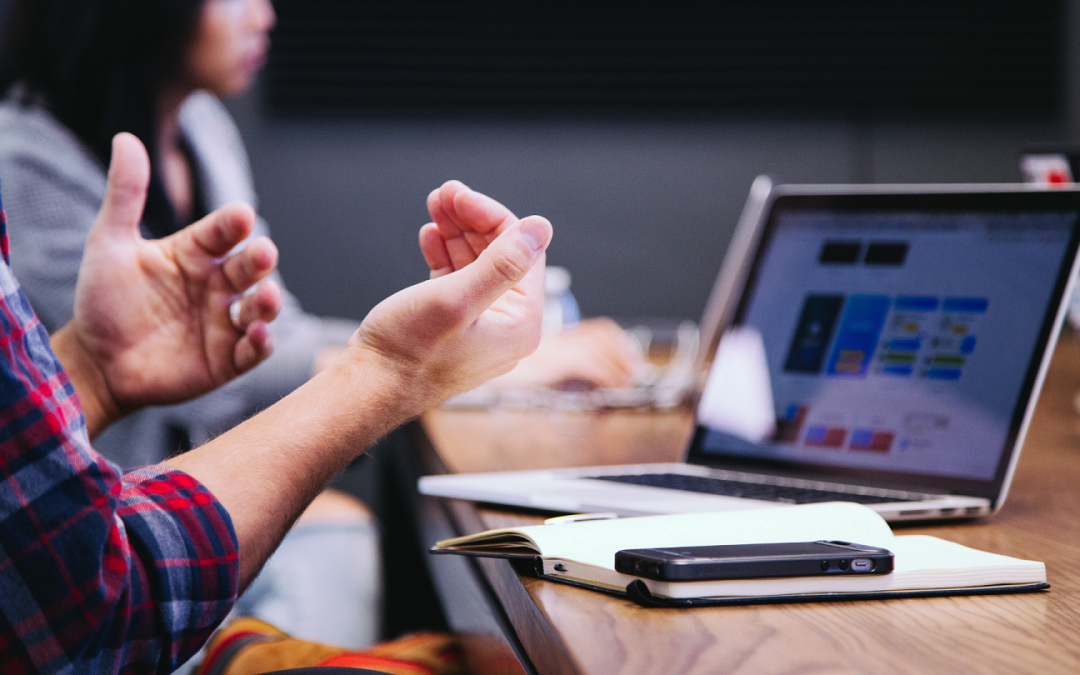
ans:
(553, 628)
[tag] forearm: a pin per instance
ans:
(268, 469)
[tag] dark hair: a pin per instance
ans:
(98, 66)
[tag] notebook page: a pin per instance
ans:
(921, 554)
(596, 543)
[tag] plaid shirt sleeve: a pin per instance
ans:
(100, 571)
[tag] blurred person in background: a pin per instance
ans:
(75, 73)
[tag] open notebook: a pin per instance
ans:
(583, 554)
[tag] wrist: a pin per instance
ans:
(98, 404)
(386, 385)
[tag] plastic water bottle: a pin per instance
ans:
(560, 308)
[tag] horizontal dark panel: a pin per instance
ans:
(995, 57)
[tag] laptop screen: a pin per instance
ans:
(902, 343)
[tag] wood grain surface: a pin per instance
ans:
(570, 630)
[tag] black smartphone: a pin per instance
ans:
(752, 561)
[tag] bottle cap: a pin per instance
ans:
(556, 280)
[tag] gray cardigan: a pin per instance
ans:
(52, 187)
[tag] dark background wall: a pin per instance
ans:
(643, 205)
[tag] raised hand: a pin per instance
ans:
(464, 225)
(480, 312)
(152, 322)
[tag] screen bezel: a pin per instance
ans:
(909, 198)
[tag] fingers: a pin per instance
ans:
(253, 348)
(594, 351)
(468, 221)
(614, 349)
(213, 237)
(250, 265)
(441, 208)
(600, 368)
(458, 250)
(262, 305)
(218, 233)
(125, 193)
(433, 246)
(481, 213)
(503, 265)
(613, 368)
(442, 216)
(257, 309)
(611, 340)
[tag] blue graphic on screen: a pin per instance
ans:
(813, 333)
(967, 345)
(967, 305)
(860, 328)
(916, 303)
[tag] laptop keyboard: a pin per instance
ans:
(764, 491)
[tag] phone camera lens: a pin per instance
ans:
(824, 565)
(844, 565)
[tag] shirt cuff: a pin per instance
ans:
(188, 547)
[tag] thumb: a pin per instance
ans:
(125, 194)
(502, 265)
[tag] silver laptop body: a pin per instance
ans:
(906, 332)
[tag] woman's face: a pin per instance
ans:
(229, 46)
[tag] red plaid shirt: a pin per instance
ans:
(100, 571)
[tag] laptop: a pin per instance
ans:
(902, 335)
